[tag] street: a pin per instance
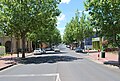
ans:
(64, 66)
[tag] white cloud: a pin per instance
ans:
(80, 11)
(61, 30)
(65, 1)
(61, 17)
(85, 12)
(58, 23)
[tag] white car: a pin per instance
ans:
(57, 50)
(38, 51)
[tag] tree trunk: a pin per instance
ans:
(50, 44)
(41, 45)
(17, 47)
(119, 57)
(23, 47)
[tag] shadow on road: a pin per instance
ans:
(47, 59)
(114, 63)
(52, 52)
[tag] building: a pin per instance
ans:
(93, 42)
(97, 43)
(11, 44)
(88, 43)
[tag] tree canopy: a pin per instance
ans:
(105, 17)
(19, 17)
(77, 29)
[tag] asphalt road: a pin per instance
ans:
(64, 66)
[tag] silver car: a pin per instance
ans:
(39, 51)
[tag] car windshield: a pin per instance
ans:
(37, 49)
(78, 48)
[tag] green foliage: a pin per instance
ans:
(23, 17)
(77, 29)
(105, 17)
(49, 35)
(56, 37)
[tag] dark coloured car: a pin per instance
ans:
(78, 49)
(49, 49)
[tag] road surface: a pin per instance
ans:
(64, 66)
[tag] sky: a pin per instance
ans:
(68, 9)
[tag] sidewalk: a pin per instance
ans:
(9, 60)
(111, 58)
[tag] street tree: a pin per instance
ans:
(78, 29)
(56, 37)
(68, 36)
(49, 35)
(24, 16)
(105, 17)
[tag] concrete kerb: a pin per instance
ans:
(95, 60)
(100, 62)
(13, 62)
(7, 66)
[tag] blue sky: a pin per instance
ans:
(68, 8)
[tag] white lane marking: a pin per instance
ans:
(58, 77)
(32, 75)
(27, 75)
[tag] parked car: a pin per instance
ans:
(43, 50)
(39, 51)
(49, 49)
(78, 49)
(68, 46)
(56, 49)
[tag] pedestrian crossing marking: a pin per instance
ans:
(33, 75)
